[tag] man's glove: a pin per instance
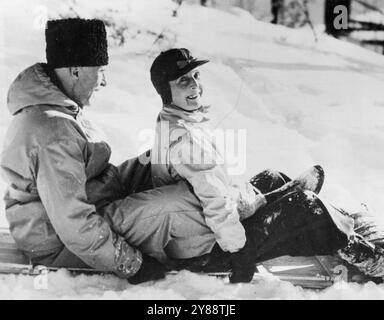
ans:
(242, 273)
(242, 265)
(150, 270)
(243, 262)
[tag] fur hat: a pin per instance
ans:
(170, 65)
(76, 43)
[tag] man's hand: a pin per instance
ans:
(150, 270)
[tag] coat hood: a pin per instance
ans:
(34, 87)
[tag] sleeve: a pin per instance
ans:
(135, 173)
(211, 186)
(61, 180)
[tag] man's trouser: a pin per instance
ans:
(165, 222)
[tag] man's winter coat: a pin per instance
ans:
(51, 157)
(184, 150)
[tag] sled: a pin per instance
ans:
(318, 272)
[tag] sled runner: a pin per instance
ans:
(317, 272)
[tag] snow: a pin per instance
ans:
(301, 103)
(184, 285)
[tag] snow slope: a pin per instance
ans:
(301, 103)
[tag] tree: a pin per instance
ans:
(277, 7)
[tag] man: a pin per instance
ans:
(58, 172)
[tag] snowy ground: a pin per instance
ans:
(301, 103)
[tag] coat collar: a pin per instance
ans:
(196, 116)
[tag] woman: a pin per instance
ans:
(269, 216)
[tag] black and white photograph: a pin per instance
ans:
(217, 150)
